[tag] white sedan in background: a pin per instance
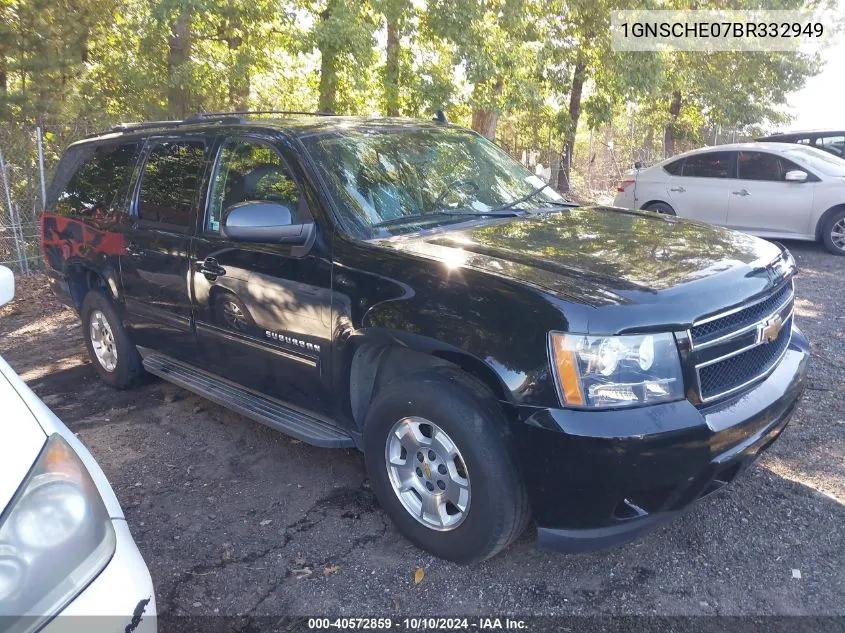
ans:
(771, 190)
(65, 548)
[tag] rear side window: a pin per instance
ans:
(674, 167)
(92, 180)
(710, 165)
(833, 144)
(170, 183)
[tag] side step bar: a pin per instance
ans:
(248, 403)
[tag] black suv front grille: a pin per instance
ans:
(742, 340)
(742, 318)
(737, 371)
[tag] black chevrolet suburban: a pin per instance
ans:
(406, 288)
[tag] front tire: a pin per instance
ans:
(438, 455)
(113, 355)
(833, 233)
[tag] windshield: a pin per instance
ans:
(396, 181)
(817, 160)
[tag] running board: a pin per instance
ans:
(274, 414)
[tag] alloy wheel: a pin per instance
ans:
(102, 341)
(837, 235)
(428, 473)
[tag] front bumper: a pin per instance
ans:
(119, 600)
(600, 478)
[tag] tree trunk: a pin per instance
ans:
(328, 82)
(179, 54)
(670, 133)
(328, 68)
(391, 69)
(579, 75)
(239, 80)
(485, 121)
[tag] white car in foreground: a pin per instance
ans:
(65, 548)
(772, 190)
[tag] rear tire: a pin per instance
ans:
(833, 233)
(479, 478)
(659, 207)
(113, 355)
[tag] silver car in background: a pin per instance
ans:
(772, 190)
(65, 548)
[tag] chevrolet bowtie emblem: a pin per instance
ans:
(770, 329)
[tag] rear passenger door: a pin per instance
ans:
(263, 310)
(702, 189)
(155, 267)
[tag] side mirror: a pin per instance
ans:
(264, 222)
(796, 175)
(638, 165)
(7, 285)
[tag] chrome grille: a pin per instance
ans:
(714, 326)
(743, 343)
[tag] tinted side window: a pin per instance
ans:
(674, 167)
(170, 182)
(760, 166)
(93, 179)
(710, 165)
(833, 144)
(251, 171)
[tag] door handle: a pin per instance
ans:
(210, 268)
(741, 192)
(678, 189)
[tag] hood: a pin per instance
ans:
(603, 256)
(21, 440)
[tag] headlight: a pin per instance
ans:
(616, 371)
(55, 537)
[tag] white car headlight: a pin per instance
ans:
(594, 372)
(55, 537)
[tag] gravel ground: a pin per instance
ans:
(235, 519)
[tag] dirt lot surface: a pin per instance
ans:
(233, 518)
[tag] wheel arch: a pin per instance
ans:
(656, 201)
(825, 217)
(377, 358)
(82, 276)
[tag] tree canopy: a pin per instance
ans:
(524, 72)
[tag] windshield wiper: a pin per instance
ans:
(498, 212)
(531, 194)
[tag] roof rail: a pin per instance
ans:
(203, 116)
(141, 125)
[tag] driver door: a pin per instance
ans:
(262, 310)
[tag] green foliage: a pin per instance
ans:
(529, 72)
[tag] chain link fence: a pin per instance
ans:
(22, 182)
(29, 156)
